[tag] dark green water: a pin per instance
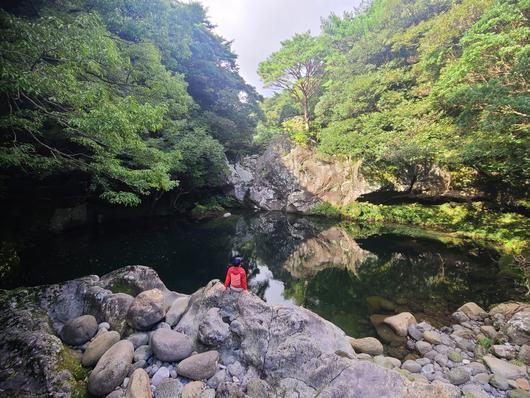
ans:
(330, 269)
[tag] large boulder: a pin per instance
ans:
(504, 368)
(177, 309)
(132, 280)
(114, 310)
(111, 369)
(147, 309)
(213, 330)
(508, 309)
(98, 347)
(401, 322)
(169, 345)
(200, 366)
(79, 330)
(517, 329)
(139, 385)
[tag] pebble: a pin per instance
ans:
(161, 374)
(458, 376)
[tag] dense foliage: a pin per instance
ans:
(414, 85)
(137, 96)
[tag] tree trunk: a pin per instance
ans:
(306, 113)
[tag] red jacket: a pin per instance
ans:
(236, 277)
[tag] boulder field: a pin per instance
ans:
(151, 342)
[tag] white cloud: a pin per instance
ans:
(258, 26)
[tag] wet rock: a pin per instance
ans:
(199, 366)
(168, 388)
(79, 330)
(400, 322)
(146, 310)
(115, 308)
(138, 339)
(111, 369)
(213, 330)
(458, 376)
(473, 311)
(193, 389)
(503, 368)
(139, 385)
(177, 309)
(98, 347)
(367, 345)
(169, 345)
(160, 374)
(517, 329)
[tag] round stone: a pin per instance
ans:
(79, 330)
(169, 346)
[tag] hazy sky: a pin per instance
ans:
(258, 26)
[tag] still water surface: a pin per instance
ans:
(344, 272)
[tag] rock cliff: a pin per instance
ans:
(294, 178)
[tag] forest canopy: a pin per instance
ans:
(136, 96)
(411, 85)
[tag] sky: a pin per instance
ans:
(258, 26)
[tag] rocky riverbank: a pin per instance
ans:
(126, 335)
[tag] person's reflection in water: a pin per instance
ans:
(236, 277)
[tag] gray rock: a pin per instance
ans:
(414, 332)
(115, 308)
(200, 366)
(137, 365)
(79, 330)
(367, 345)
(423, 347)
(482, 378)
(177, 309)
(423, 361)
(146, 310)
(163, 325)
(431, 354)
(208, 393)
(217, 379)
(104, 325)
(458, 376)
(504, 351)
(168, 388)
(441, 359)
(411, 366)
(142, 353)
(460, 317)
(116, 394)
(169, 345)
(213, 330)
(111, 369)
(474, 391)
(139, 385)
(476, 368)
(98, 347)
(138, 339)
(499, 382)
(524, 354)
(503, 368)
(517, 329)
(364, 357)
(160, 374)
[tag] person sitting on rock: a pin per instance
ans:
(236, 277)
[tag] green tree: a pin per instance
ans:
(297, 67)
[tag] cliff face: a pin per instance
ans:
(294, 178)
